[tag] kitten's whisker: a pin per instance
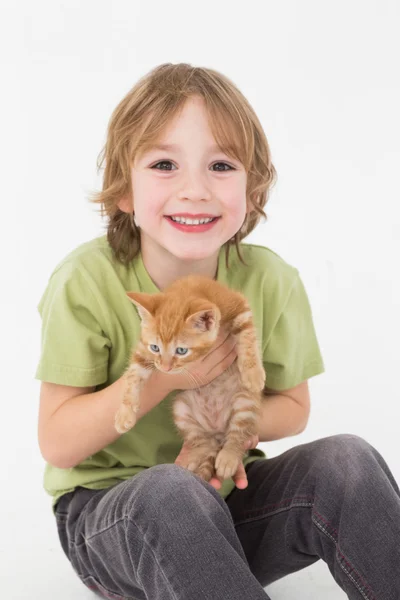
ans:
(191, 377)
(196, 380)
(200, 381)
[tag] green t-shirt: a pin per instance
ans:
(89, 327)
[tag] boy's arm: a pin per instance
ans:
(75, 422)
(284, 413)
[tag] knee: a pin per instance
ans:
(345, 456)
(164, 490)
(344, 443)
(170, 479)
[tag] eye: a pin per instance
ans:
(169, 163)
(181, 351)
(225, 165)
(162, 162)
(154, 348)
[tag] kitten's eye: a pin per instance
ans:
(181, 351)
(154, 348)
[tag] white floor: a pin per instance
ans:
(312, 583)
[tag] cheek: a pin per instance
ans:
(149, 197)
(148, 211)
(152, 356)
(179, 362)
(233, 198)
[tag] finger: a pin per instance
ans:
(178, 460)
(232, 356)
(221, 335)
(240, 477)
(224, 363)
(230, 341)
(223, 332)
(252, 442)
(215, 482)
(222, 341)
(182, 454)
(219, 341)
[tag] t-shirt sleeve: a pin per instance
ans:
(292, 354)
(74, 346)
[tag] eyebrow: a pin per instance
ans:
(169, 147)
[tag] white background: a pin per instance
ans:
(323, 79)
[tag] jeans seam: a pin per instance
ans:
(366, 592)
(90, 537)
(119, 596)
(307, 502)
(301, 498)
(247, 518)
(83, 577)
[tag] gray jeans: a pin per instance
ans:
(167, 534)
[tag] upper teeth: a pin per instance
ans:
(188, 221)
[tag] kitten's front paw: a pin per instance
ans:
(125, 418)
(226, 464)
(254, 379)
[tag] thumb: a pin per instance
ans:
(240, 477)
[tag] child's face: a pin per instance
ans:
(189, 180)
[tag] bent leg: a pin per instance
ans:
(335, 499)
(163, 534)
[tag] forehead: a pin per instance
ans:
(171, 334)
(194, 121)
(165, 330)
(178, 148)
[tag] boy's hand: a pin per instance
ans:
(240, 477)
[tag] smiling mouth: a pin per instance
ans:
(192, 220)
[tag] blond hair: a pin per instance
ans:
(138, 122)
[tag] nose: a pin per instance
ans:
(166, 367)
(195, 187)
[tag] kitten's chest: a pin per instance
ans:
(211, 405)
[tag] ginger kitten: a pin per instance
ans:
(178, 326)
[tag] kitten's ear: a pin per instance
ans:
(145, 304)
(205, 319)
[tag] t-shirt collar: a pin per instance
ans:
(147, 285)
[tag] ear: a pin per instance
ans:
(206, 319)
(145, 304)
(125, 204)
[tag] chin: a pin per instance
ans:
(199, 251)
(189, 255)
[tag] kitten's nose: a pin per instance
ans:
(166, 367)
